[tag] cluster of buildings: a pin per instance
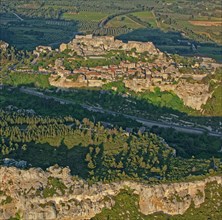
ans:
(163, 70)
(42, 49)
(154, 72)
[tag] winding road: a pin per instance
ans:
(104, 21)
(145, 122)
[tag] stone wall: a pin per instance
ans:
(137, 85)
(63, 82)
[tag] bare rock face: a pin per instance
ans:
(90, 46)
(137, 85)
(63, 82)
(3, 45)
(55, 194)
(194, 95)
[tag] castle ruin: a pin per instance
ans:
(90, 45)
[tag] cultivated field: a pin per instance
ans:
(85, 16)
(123, 21)
(53, 22)
(146, 16)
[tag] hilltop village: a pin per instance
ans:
(143, 64)
(93, 61)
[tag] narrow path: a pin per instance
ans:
(21, 19)
(135, 21)
(157, 23)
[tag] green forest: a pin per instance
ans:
(93, 152)
(112, 133)
(101, 147)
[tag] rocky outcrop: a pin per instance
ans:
(3, 45)
(194, 95)
(63, 82)
(55, 194)
(93, 46)
(137, 85)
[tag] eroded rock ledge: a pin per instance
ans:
(55, 194)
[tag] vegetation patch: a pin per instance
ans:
(7, 200)
(28, 79)
(126, 207)
(54, 187)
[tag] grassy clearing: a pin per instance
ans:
(166, 99)
(19, 79)
(143, 14)
(205, 18)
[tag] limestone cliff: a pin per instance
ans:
(3, 45)
(193, 95)
(55, 194)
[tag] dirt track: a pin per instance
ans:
(206, 23)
